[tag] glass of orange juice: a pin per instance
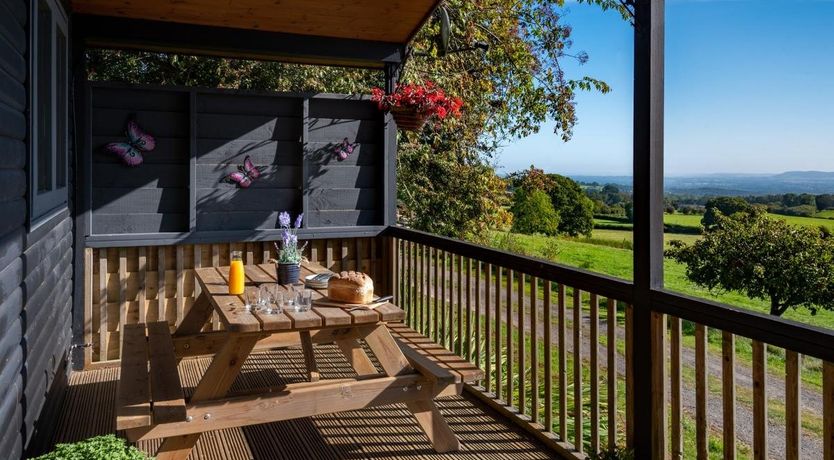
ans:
(236, 274)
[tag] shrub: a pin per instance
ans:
(533, 213)
(98, 448)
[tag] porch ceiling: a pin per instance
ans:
(374, 20)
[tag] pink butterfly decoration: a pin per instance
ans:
(245, 174)
(138, 141)
(344, 149)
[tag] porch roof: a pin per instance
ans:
(328, 23)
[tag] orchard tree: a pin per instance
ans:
(763, 258)
(504, 58)
(726, 205)
(533, 213)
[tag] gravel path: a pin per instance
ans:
(811, 399)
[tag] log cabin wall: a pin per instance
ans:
(124, 285)
(178, 194)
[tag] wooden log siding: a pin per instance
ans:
(129, 285)
(203, 135)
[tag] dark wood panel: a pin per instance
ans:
(329, 177)
(12, 153)
(12, 183)
(143, 200)
(12, 92)
(342, 218)
(345, 108)
(243, 220)
(344, 199)
(222, 151)
(14, 214)
(112, 122)
(139, 223)
(323, 153)
(139, 99)
(278, 106)
(248, 127)
(12, 60)
(11, 31)
(335, 130)
(251, 199)
(106, 175)
(168, 150)
(12, 123)
(209, 176)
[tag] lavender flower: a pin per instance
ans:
(298, 220)
(284, 219)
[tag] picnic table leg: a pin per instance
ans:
(309, 356)
(356, 356)
(429, 418)
(196, 317)
(215, 383)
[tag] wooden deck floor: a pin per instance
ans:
(379, 433)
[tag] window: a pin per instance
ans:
(48, 115)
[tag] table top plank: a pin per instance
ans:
(214, 281)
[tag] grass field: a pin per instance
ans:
(827, 214)
(693, 221)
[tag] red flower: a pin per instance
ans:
(426, 98)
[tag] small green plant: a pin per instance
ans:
(98, 448)
(615, 453)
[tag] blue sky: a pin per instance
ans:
(749, 89)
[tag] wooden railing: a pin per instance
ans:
(555, 345)
(126, 285)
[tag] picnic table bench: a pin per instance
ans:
(150, 401)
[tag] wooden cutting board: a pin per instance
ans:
(325, 302)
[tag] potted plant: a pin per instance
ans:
(413, 104)
(288, 264)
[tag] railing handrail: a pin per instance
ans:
(791, 335)
(603, 285)
(803, 338)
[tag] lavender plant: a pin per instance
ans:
(288, 251)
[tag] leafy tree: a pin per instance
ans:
(764, 258)
(509, 75)
(574, 207)
(533, 213)
(824, 201)
(726, 205)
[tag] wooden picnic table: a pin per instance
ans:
(414, 371)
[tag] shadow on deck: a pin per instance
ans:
(388, 432)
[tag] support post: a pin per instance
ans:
(389, 142)
(649, 344)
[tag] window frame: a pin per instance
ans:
(46, 204)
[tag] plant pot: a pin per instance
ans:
(288, 273)
(409, 119)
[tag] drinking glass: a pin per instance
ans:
(277, 303)
(305, 300)
(264, 297)
(250, 299)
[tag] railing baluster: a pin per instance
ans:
(509, 327)
(459, 312)
(577, 371)
(534, 348)
(563, 365)
(421, 291)
(629, 334)
(728, 392)
(828, 410)
(498, 351)
(792, 405)
(675, 396)
(488, 329)
(593, 348)
(409, 284)
(435, 319)
(611, 320)
(443, 316)
(701, 443)
(478, 314)
(759, 401)
(548, 362)
(468, 327)
(522, 367)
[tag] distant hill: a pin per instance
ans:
(814, 182)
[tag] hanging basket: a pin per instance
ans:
(408, 119)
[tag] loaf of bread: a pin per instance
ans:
(351, 287)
